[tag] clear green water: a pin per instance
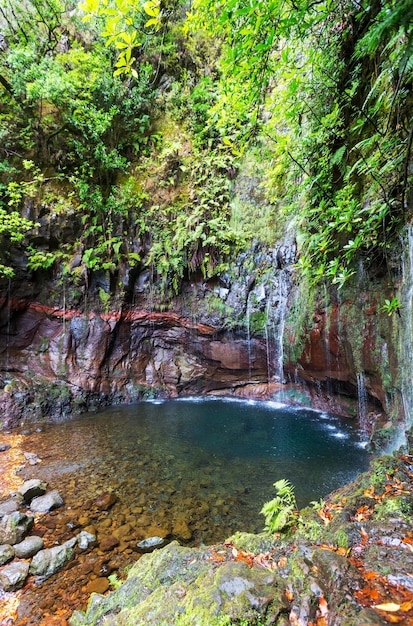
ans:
(209, 461)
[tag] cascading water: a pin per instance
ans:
(248, 323)
(283, 291)
(276, 314)
(327, 339)
(8, 332)
(406, 330)
(362, 400)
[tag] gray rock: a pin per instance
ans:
(6, 553)
(32, 458)
(85, 539)
(149, 544)
(32, 489)
(46, 503)
(28, 547)
(7, 507)
(13, 576)
(4, 447)
(47, 562)
(14, 527)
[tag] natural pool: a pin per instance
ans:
(212, 461)
(195, 469)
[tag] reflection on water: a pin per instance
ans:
(211, 461)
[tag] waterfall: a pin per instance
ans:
(268, 341)
(327, 340)
(276, 314)
(362, 400)
(8, 329)
(406, 332)
(282, 312)
(248, 322)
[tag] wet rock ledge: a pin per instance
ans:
(348, 560)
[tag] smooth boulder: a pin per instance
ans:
(32, 489)
(48, 502)
(14, 527)
(6, 553)
(28, 547)
(47, 562)
(13, 576)
(7, 507)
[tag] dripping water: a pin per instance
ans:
(362, 400)
(282, 314)
(248, 323)
(406, 335)
(8, 331)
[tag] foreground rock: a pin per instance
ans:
(13, 576)
(48, 562)
(28, 547)
(6, 554)
(7, 507)
(32, 489)
(14, 527)
(46, 503)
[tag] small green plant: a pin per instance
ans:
(280, 512)
(391, 306)
(105, 299)
(115, 582)
(39, 260)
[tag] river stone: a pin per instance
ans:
(46, 503)
(32, 489)
(14, 527)
(105, 501)
(85, 539)
(32, 458)
(149, 544)
(108, 543)
(182, 530)
(98, 585)
(28, 547)
(13, 576)
(6, 553)
(7, 507)
(47, 562)
(4, 447)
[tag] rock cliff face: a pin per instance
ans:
(232, 337)
(102, 358)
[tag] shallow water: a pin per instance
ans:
(210, 461)
(195, 469)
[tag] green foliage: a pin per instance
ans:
(336, 116)
(193, 233)
(39, 260)
(115, 582)
(391, 306)
(280, 512)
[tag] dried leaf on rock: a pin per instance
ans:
(388, 606)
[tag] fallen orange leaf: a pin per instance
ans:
(388, 606)
(406, 606)
(364, 536)
(323, 606)
(289, 594)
